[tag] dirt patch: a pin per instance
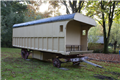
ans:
(104, 57)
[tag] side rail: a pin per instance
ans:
(73, 48)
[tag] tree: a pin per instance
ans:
(54, 7)
(32, 11)
(115, 33)
(104, 12)
(93, 35)
(75, 5)
(11, 13)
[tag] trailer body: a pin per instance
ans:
(63, 35)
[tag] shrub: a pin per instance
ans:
(98, 51)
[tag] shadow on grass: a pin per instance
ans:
(104, 77)
(32, 61)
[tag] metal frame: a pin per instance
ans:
(76, 59)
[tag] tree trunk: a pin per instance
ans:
(115, 43)
(105, 46)
(106, 39)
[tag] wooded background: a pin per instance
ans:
(106, 13)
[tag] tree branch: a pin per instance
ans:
(111, 19)
(67, 11)
(80, 6)
(71, 6)
(74, 6)
(99, 21)
(113, 9)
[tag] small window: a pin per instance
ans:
(83, 32)
(61, 28)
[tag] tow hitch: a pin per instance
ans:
(75, 60)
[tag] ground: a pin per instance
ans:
(13, 67)
(104, 57)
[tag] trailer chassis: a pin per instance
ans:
(75, 59)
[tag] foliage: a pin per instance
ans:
(93, 35)
(34, 7)
(111, 50)
(117, 14)
(98, 51)
(15, 6)
(104, 13)
(115, 33)
(73, 5)
(31, 14)
(6, 29)
(54, 7)
(11, 13)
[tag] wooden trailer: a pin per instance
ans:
(63, 36)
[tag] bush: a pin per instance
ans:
(110, 50)
(98, 51)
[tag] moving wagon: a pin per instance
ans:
(54, 38)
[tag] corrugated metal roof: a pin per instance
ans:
(51, 19)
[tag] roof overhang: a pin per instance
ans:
(84, 19)
(75, 16)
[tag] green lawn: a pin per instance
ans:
(13, 67)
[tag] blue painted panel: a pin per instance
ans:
(46, 20)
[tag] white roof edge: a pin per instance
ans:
(84, 19)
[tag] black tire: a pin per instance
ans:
(56, 63)
(24, 54)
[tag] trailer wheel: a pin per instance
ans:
(24, 54)
(56, 63)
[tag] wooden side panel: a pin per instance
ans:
(50, 44)
(40, 43)
(55, 44)
(36, 43)
(61, 44)
(32, 43)
(42, 37)
(45, 43)
(20, 42)
(28, 42)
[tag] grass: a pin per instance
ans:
(13, 67)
